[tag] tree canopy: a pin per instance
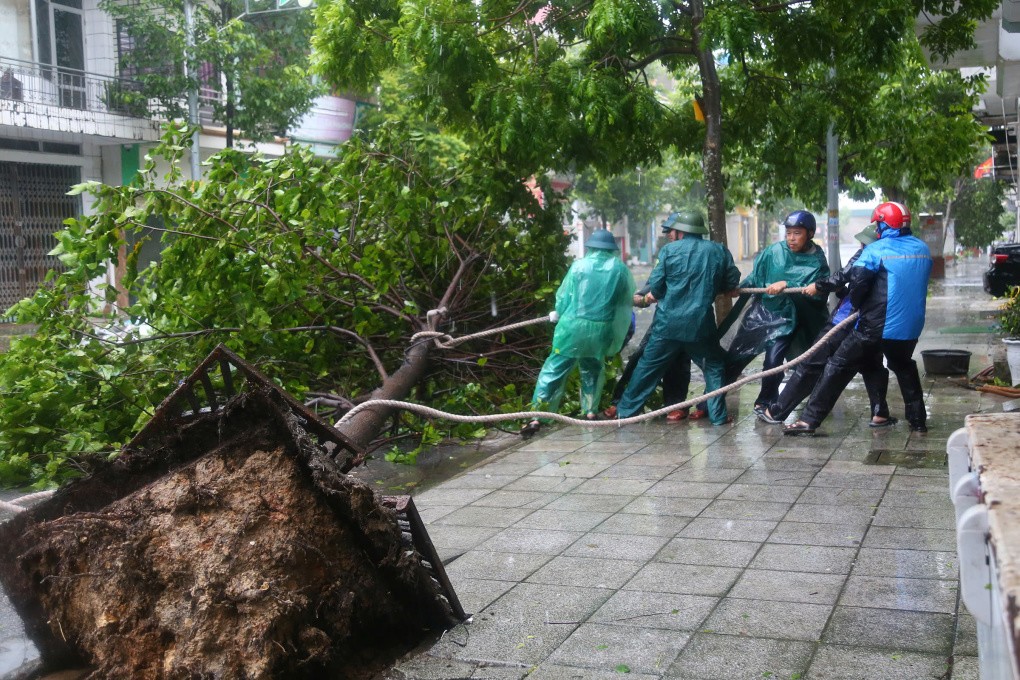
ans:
(565, 84)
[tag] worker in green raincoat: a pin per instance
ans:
(690, 273)
(792, 263)
(593, 312)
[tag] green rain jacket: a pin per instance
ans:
(805, 315)
(689, 275)
(594, 303)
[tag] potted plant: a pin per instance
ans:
(1010, 322)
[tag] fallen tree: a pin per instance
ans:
(318, 271)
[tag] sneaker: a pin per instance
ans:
(529, 430)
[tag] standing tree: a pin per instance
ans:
(635, 195)
(251, 69)
(565, 82)
(978, 211)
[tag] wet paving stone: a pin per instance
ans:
(769, 619)
(669, 611)
(643, 524)
(912, 594)
(684, 578)
(891, 629)
(609, 648)
(586, 572)
(836, 662)
(787, 586)
(907, 563)
(708, 552)
(809, 558)
(728, 657)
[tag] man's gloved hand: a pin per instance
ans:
(554, 316)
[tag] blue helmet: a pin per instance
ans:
(802, 219)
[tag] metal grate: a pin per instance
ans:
(223, 375)
(33, 205)
(415, 535)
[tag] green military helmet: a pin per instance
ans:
(690, 222)
(866, 236)
(601, 239)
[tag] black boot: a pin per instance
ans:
(916, 416)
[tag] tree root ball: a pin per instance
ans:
(246, 562)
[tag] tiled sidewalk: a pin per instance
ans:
(691, 551)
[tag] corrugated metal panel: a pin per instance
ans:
(33, 205)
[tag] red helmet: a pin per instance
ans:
(893, 215)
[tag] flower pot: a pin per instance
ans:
(1013, 357)
(945, 361)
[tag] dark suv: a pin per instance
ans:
(1004, 271)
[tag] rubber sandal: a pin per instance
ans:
(609, 413)
(698, 414)
(888, 422)
(798, 428)
(529, 430)
(677, 415)
(766, 417)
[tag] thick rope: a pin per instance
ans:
(445, 341)
(16, 507)
(430, 412)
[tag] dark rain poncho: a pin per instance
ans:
(783, 314)
(685, 281)
(594, 303)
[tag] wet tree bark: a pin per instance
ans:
(711, 154)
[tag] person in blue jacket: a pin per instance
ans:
(690, 273)
(805, 376)
(888, 286)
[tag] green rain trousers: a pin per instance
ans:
(689, 275)
(594, 303)
(553, 380)
(661, 352)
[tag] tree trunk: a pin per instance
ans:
(366, 425)
(711, 153)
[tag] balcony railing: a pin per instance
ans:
(35, 83)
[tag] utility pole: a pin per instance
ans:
(832, 190)
(190, 72)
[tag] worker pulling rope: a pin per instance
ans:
(430, 412)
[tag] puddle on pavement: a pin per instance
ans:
(907, 459)
(434, 465)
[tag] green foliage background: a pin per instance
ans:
(296, 263)
(978, 211)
